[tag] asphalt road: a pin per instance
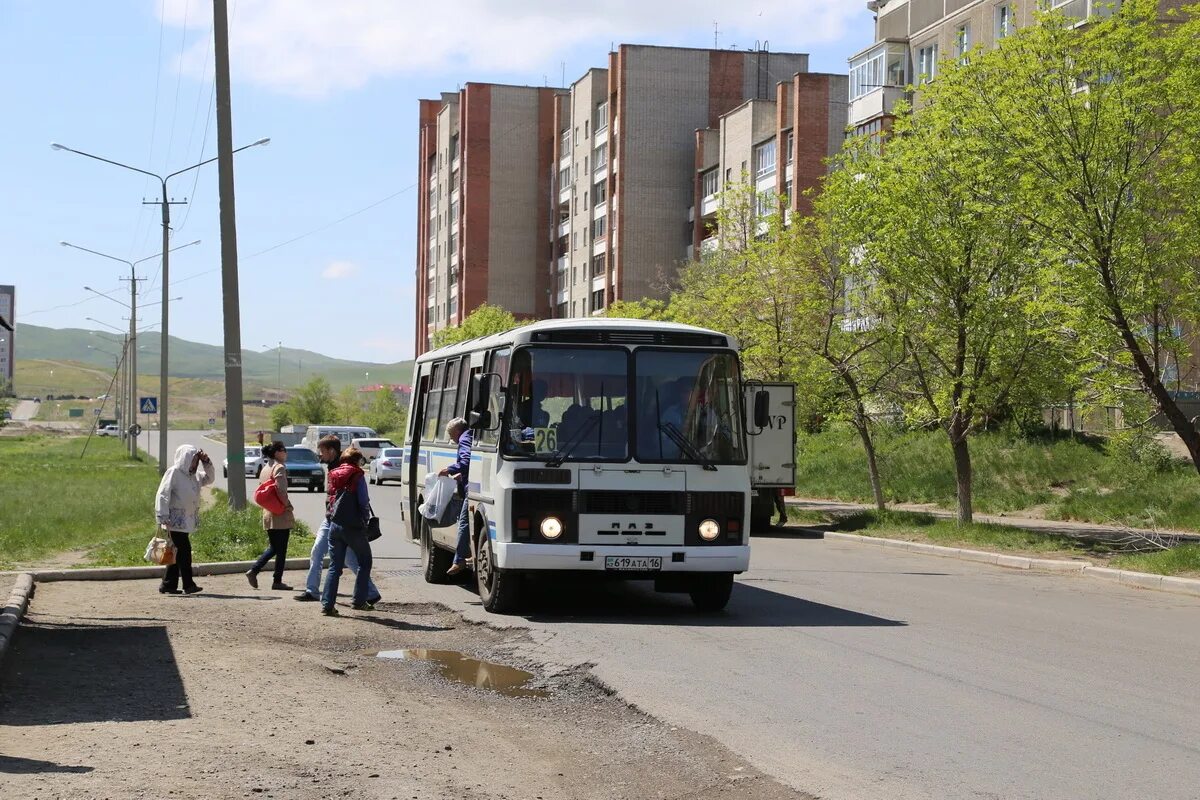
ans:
(853, 673)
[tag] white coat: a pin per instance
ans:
(177, 505)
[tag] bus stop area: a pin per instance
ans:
(113, 690)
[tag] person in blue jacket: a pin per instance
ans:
(457, 430)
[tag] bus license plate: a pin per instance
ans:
(633, 563)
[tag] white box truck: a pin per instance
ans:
(772, 451)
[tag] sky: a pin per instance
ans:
(326, 213)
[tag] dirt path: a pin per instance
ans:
(112, 690)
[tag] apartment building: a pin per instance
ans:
(779, 146)
(8, 350)
(624, 169)
(483, 212)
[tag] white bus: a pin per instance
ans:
(600, 445)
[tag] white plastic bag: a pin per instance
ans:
(438, 492)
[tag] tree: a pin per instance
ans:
(314, 403)
(349, 406)
(383, 414)
(281, 415)
(951, 272)
(639, 309)
(483, 321)
(1097, 127)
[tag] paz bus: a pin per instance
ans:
(606, 446)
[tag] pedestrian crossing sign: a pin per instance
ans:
(148, 405)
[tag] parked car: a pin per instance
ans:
(109, 430)
(303, 469)
(388, 466)
(254, 462)
(370, 447)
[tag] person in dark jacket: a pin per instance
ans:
(348, 530)
(457, 430)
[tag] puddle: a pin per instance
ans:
(454, 666)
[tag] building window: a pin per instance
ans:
(564, 178)
(709, 184)
(1004, 21)
(600, 157)
(597, 266)
(764, 203)
(599, 193)
(789, 144)
(597, 300)
(598, 227)
(560, 310)
(962, 42)
(927, 63)
(764, 159)
(564, 144)
(601, 117)
(453, 212)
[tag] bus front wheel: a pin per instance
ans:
(710, 592)
(434, 560)
(499, 589)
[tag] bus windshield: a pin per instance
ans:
(574, 404)
(568, 400)
(688, 407)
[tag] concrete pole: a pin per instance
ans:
(131, 391)
(163, 371)
(234, 423)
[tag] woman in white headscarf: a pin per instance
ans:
(177, 509)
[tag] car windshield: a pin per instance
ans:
(301, 455)
(253, 452)
(568, 404)
(689, 407)
(392, 452)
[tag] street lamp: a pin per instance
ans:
(165, 203)
(133, 281)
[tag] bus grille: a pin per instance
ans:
(632, 503)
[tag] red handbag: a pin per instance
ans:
(267, 497)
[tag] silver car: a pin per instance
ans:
(254, 462)
(388, 466)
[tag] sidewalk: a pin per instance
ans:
(1075, 530)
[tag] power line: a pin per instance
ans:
(178, 82)
(329, 225)
(162, 23)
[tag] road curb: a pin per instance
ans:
(135, 573)
(1140, 580)
(14, 611)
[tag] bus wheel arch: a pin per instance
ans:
(434, 560)
(499, 589)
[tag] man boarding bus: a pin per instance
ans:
(601, 445)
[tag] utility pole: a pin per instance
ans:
(234, 423)
(163, 372)
(131, 390)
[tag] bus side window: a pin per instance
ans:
(464, 387)
(449, 398)
(498, 363)
(433, 401)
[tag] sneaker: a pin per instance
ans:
(193, 589)
(165, 590)
(252, 578)
(305, 597)
(364, 606)
(329, 611)
(281, 586)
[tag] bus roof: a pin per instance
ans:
(529, 333)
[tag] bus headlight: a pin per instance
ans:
(710, 529)
(552, 527)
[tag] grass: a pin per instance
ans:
(1182, 561)
(52, 501)
(1055, 477)
(224, 535)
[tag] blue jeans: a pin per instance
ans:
(341, 541)
(319, 550)
(463, 549)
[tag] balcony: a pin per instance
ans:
(564, 228)
(564, 195)
(598, 283)
(560, 265)
(875, 103)
(708, 245)
(600, 246)
(600, 138)
(709, 205)
(878, 76)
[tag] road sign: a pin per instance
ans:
(212, 421)
(148, 405)
(95, 412)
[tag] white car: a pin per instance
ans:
(109, 430)
(389, 466)
(371, 447)
(254, 462)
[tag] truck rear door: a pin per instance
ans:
(772, 450)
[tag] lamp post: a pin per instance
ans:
(131, 384)
(165, 203)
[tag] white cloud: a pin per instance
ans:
(316, 47)
(339, 269)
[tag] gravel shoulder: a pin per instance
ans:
(112, 690)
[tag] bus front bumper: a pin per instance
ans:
(719, 558)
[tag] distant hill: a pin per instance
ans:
(195, 360)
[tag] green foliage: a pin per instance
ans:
(281, 415)
(640, 309)
(224, 535)
(1056, 477)
(1183, 560)
(483, 321)
(52, 500)
(383, 414)
(1137, 450)
(349, 406)
(918, 527)
(313, 403)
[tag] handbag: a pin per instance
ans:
(267, 498)
(373, 531)
(160, 551)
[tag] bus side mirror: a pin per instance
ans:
(762, 408)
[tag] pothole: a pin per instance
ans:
(464, 669)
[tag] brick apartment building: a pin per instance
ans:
(556, 202)
(483, 209)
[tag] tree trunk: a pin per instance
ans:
(864, 432)
(962, 477)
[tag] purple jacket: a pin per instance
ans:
(461, 469)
